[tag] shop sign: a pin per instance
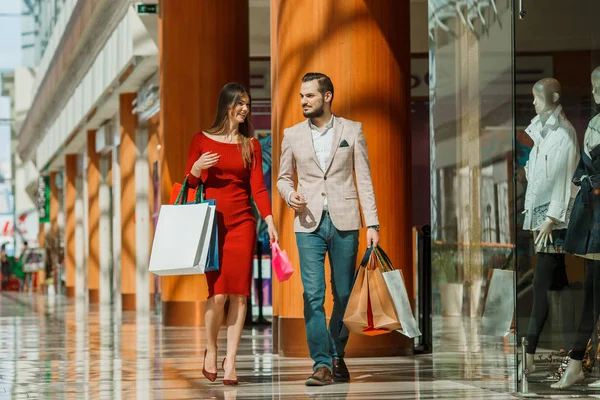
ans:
(43, 198)
(146, 8)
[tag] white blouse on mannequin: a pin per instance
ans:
(549, 171)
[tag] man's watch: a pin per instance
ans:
(375, 227)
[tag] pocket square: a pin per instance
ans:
(343, 143)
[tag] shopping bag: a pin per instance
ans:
(281, 263)
(183, 194)
(499, 305)
(370, 309)
(182, 190)
(34, 260)
(384, 316)
(356, 317)
(182, 237)
(212, 262)
(397, 289)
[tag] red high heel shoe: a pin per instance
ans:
(228, 382)
(211, 376)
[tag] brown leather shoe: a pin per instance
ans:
(340, 371)
(321, 377)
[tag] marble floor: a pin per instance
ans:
(53, 348)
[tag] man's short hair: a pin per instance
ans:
(325, 84)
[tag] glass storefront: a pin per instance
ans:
(555, 54)
(510, 102)
(471, 133)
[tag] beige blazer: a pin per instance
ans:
(336, 182)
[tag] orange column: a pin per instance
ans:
(202, 46)
(42, 234)
(275, 143)
(127, 158)
(364, 46)
(275, 307)
(54, 202)
(93, 182)
(70, 221)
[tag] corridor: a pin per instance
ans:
(51, 348)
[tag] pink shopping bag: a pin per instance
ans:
(281, 263)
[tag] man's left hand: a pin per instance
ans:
(372, 237)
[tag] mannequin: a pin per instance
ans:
(548, 200)
(583, 239)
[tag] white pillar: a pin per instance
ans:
(81, 281)
(105, 235)
(116, 232)
(142, 226)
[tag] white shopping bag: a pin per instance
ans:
(34, 259)
(395, 284)
(181, 240)
(397, 290)
(499, 306)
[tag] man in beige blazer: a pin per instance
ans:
(327, 153)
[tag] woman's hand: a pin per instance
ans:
(271, 229)
(205, 161)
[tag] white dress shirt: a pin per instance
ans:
(322, 144)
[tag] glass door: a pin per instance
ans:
(556, 67)
(472, 190)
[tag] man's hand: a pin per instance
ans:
(545, 233)
(297, 202)
(372, 237)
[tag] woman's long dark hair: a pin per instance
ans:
(228, 98)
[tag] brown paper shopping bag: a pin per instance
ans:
(370, 310)
(355, 317)
(384, 314)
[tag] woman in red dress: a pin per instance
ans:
(228, 162)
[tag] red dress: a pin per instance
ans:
(231, 184)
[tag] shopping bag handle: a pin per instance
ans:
(363, 263)
(383, 258)
(365, 259)
(183, 193)
(275, 247)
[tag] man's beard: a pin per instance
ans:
(316, 113)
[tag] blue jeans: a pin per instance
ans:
(342, 247)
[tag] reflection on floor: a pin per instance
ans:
(547, 365)
(55, 349)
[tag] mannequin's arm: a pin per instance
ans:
(579, 171)
(563, 188)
